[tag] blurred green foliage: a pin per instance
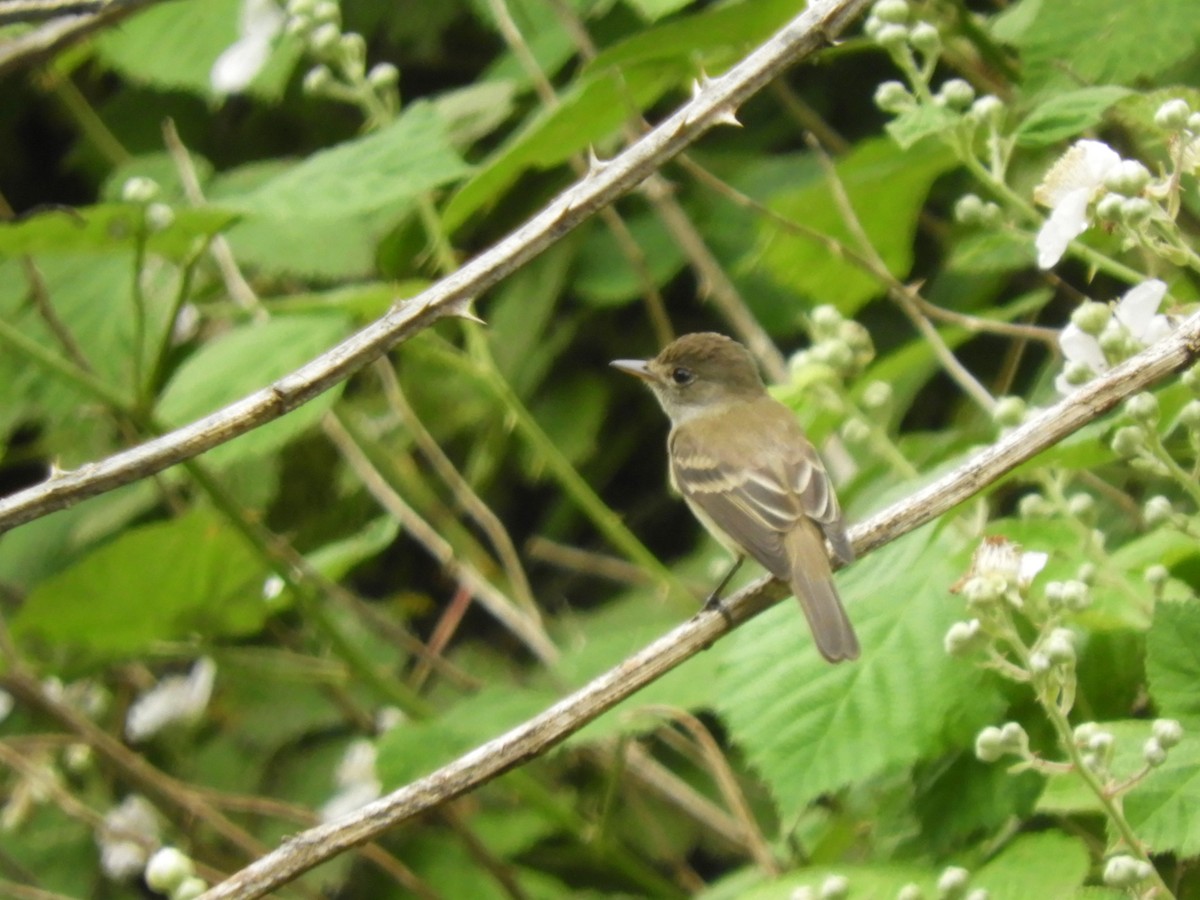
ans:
(445, 544)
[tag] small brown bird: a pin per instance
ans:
(750, 475)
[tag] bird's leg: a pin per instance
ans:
(714, 599)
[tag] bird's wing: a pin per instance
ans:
(757, 497)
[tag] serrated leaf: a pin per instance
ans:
(110, 226)
(1106, 41)
(1173, 659)
(159, 582)
(1164, 810)
(1049, 864)
(920, 122)
(887, 189)
(242, 361)
(386, 169)
(1067, 114)
(809, 727)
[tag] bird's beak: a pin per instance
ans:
(636, 367)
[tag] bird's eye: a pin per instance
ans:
(682, 376)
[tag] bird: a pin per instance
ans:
(750, 475)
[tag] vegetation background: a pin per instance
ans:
(205, 195)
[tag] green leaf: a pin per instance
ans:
(604, 276)
(587, 113)
(159, 582)
(110, 226)
(710, 38)
(386, 169)
(887, 189)
(920, 122)
(652, 10)
(1164, 810)
(1173, 659)
(1106, 41)
(809, 727)
(1048, 864)
(174, 46)
(244, 360)
(1067, 114)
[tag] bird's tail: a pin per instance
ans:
(812, 582)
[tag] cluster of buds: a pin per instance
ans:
(954, 883)
(341, 71)
(145, 192)
(838, 344)
(172, 873)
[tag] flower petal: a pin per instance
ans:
(1066, 222)
(1136, 310)
(241, 61)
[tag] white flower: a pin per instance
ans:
(356, 781)
(177, 698)
(125, 838)
(1136, 313)
(1069, 189)
(236, 67)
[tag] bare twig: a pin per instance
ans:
(549, 728)
(525, 626)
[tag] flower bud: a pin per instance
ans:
(1136, 210)
(1158, 510)
(1153, 753)
(891, 37)
(1168, 731)
(324, 38)
(1075, 595)
(1086, 573)
(1128, 177)
(139, 190)
(159, 217)
(327, 11)
(979, 894)
(957, 93)
(1109, 208)
(894, 12)
(910, 891)
(1125, 872)
(190, 889)
(835, 887)
(1090, 317)
(168, 868)
(855, 431)
(988, 108)
(877, 395)
(1009, 412)
(1081, 506)
(953, 882)
(1034, 506)
(925, 38)
(317, 79)
(1039, 663)
(968, 210)
(301, 7)
(1156, 575)
(1077, 372)
(1143, 408)
(1172, 115)
(964, 637)
(989, 745)
(982, 590)
(1101, 743)
(893, 97)
(1015, 738)
(383, 75)
(1190, 415)
(825, 321)
(1128, 442)
(1060, 647)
